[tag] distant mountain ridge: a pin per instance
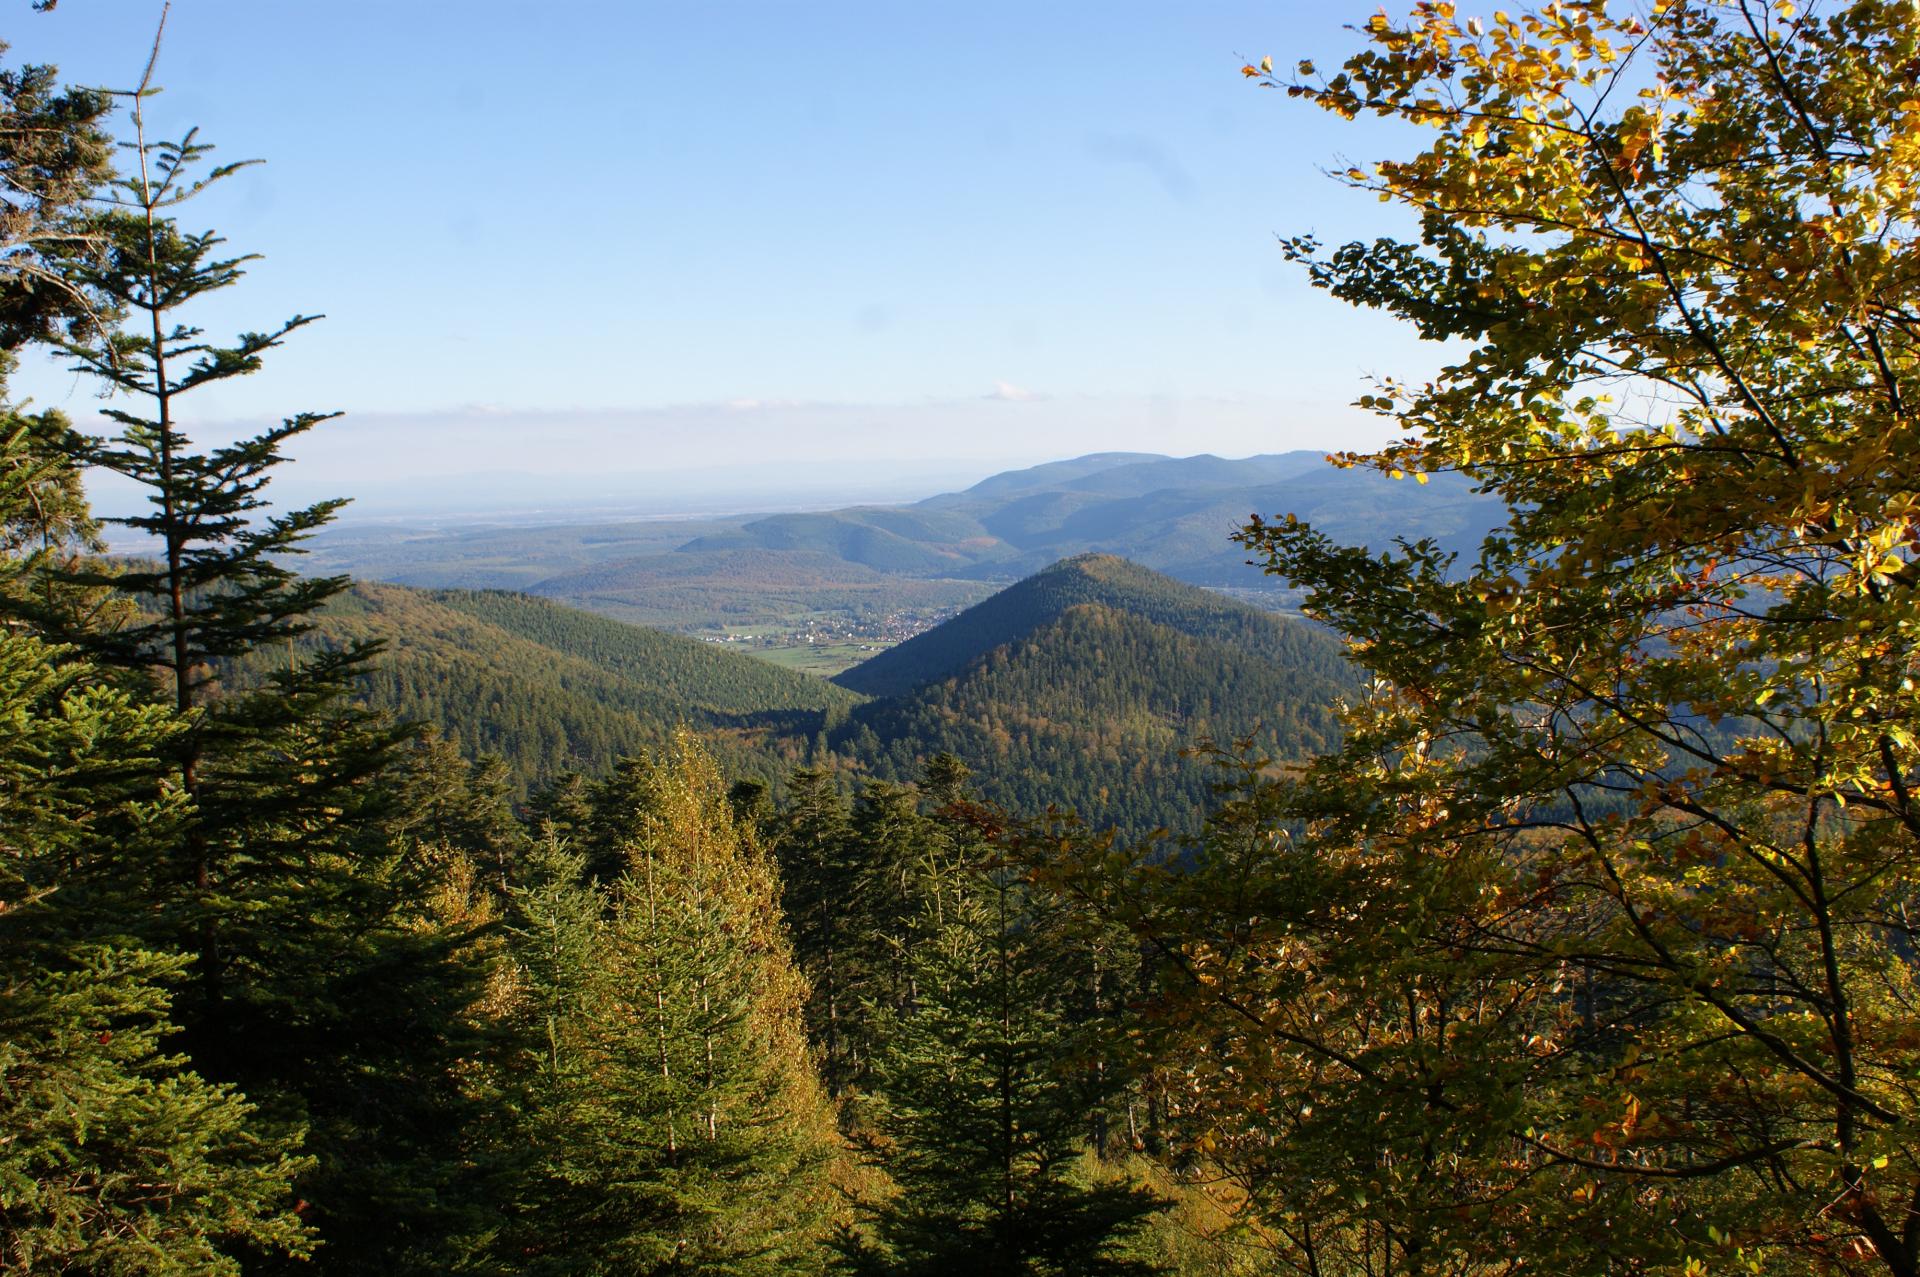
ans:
(1176, 515)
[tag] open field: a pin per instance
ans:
(821, 659)
(818, 659)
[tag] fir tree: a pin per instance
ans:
(823, 902)
(319, 985)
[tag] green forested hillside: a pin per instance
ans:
(1022, 609)
(694, 675)
(551, 689)
(1082, 687)
(1078, 687)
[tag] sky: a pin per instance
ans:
(640, 247)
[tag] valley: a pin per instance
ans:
(1081, 687)
(819, 591)
(715, 810)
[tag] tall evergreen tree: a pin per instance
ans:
(114, 1156)
(986, 1085)
(680, 1125)
(318, 985)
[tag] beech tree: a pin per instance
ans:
(1596, 950)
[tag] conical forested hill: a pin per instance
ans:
(1083, 686)
(1021, 609)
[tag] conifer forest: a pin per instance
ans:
(1532, 890)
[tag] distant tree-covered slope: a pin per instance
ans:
(690, 674)
(551, 690)
(747, 588)
(1044, 477)
(903, 539)
(1082, 686)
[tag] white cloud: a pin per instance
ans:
(1010, 393)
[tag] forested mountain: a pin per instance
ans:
(552, 689)
(1082, 685)
(1026, 607)
(1079, 687)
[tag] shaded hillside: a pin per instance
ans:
(1082, 685)
(552, 690)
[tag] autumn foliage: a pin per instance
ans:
(1592, 948)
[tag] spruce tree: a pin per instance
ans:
(679, 1123)
(319, 984)
(986, 1085)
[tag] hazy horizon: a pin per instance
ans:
(863, 237)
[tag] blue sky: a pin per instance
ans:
(594, 239)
